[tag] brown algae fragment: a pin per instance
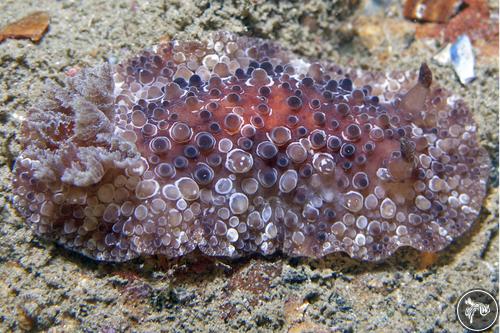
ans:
(33, 26)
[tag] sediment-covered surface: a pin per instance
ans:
(47, 287)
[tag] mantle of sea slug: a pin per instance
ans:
(234, 145)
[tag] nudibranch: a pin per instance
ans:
(234, 145)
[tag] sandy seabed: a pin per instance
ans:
(46, 288)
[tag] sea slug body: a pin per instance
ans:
(233, 146)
